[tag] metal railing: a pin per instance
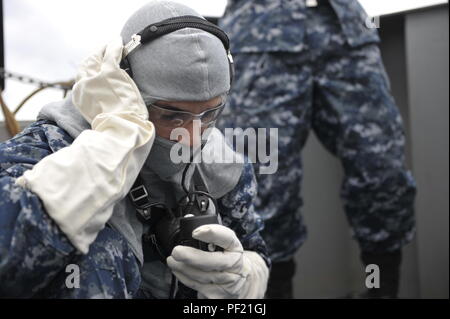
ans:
(10, 120)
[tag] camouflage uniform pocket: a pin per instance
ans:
(355, 23)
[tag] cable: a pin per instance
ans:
(173, 287)
(183, 179)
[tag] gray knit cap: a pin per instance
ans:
(185, 65)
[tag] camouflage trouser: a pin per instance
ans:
(343, 94)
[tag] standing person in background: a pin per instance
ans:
(304, 65)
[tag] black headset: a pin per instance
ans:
(170, 25)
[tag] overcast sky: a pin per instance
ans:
(47, 39)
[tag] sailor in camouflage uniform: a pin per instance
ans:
(63, 184)
(34, 252)
(303, 65)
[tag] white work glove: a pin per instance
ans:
(80, 184)
(232, 273)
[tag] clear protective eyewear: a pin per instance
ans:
(168, 117)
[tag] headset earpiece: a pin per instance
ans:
(125, 65)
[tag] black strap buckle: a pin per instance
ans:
(138, 193)
(141, 200)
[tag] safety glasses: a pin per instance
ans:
(166, 116)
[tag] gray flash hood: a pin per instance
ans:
(185, 65)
